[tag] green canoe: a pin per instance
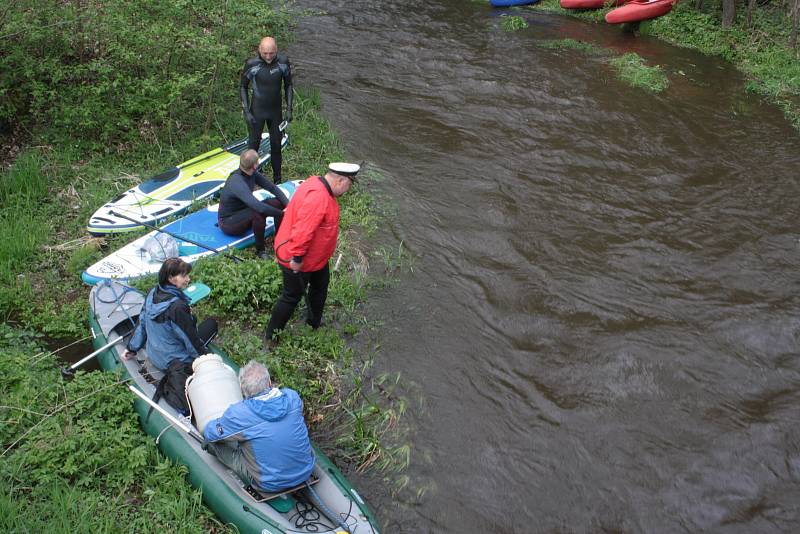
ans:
(113, 307)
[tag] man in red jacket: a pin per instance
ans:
(305, 242)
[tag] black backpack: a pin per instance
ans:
(172, 387)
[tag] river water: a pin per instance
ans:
(600, 330)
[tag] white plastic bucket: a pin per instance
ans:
(211, 389)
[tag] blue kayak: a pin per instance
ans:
(511, 3)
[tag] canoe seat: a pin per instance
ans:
(260, 496)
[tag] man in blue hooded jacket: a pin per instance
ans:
(263, 438)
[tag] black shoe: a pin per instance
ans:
(309, 323)
(262, 254)
(276, 180)
(270, 344)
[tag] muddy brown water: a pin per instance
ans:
(602, 320)
(70, 351)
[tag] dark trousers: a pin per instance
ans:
(294, 287)
(230, 454)
(254, 141)
(243, 221)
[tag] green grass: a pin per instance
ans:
(572, 44)
(151, 89)
(631, 69)
(23, 190)
(760, 52)
(513, 23)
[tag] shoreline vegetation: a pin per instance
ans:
(80, 113)
(758, 38)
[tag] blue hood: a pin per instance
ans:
(154, 309)
(270, 405)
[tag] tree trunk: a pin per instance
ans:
(795, 16)
(728, 13)
(698, 5)
(751, 6)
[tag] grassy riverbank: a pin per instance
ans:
(73, 456)
(761, 51)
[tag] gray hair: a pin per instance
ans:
(253, 379)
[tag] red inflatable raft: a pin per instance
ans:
(588, 4)
(637, 10)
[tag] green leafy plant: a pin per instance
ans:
(239, 289)
(513, 23)
(119, 80)
(73, 455)
(572, 44)
(81, 258)
(631, 69)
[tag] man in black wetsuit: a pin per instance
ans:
(239, 210)
(265, 74)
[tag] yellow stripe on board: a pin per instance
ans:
(187, 179)
(201, 156)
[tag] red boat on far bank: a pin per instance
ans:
(638, 10)
(588, 4)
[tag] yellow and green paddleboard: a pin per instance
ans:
(173, 191)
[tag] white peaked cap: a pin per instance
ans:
(345, 169)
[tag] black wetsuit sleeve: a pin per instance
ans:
(180, 314)
(239, 189)
(287, 86)
(244, 90)
(272, 188)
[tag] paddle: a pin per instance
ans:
(181, 238)
(68, 372)
(169, 417)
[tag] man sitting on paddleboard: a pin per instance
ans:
(263, 438)
(239, 211)
(265, 74)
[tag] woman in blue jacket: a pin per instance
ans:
(167, 328)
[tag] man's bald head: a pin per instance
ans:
(248, 161)
(268, 49)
